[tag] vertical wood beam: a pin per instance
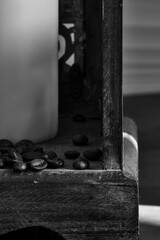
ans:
(93, 47)
(112, 83)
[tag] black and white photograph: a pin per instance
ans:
(79, 120)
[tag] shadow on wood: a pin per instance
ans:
(36, 233)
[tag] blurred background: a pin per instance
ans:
(141, 41)
(141, 89)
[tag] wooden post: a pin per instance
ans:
(112, 83)
(93, 48)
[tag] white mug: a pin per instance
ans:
(28, 69)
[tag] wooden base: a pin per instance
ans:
(86, 204)
(89, 204)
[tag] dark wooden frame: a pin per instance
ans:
(88, 204)
(112, 84)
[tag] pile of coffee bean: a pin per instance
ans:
(24, 155)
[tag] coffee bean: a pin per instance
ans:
(27, 149)
(29, 156)
(24, 142)
(60, 162)
(24, 148)
(79, 118)
(93, 155)
(19, 150)
(45, 156)
(80, 140)
(4, 149)
(2, 163)
(55, 163)
(15, 156)
(38, 164)
(20, 166)
(51, 154)
(11, 153)
(80, 164)
(38, 149)
(6, 154)
(72, 154)
(9, 162)
(6, 143)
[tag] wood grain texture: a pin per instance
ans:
(112, 235)
(112, 83)
(93, 48)
(87, 204)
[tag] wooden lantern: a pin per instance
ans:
(92, 204)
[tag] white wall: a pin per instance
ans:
(141, 46)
